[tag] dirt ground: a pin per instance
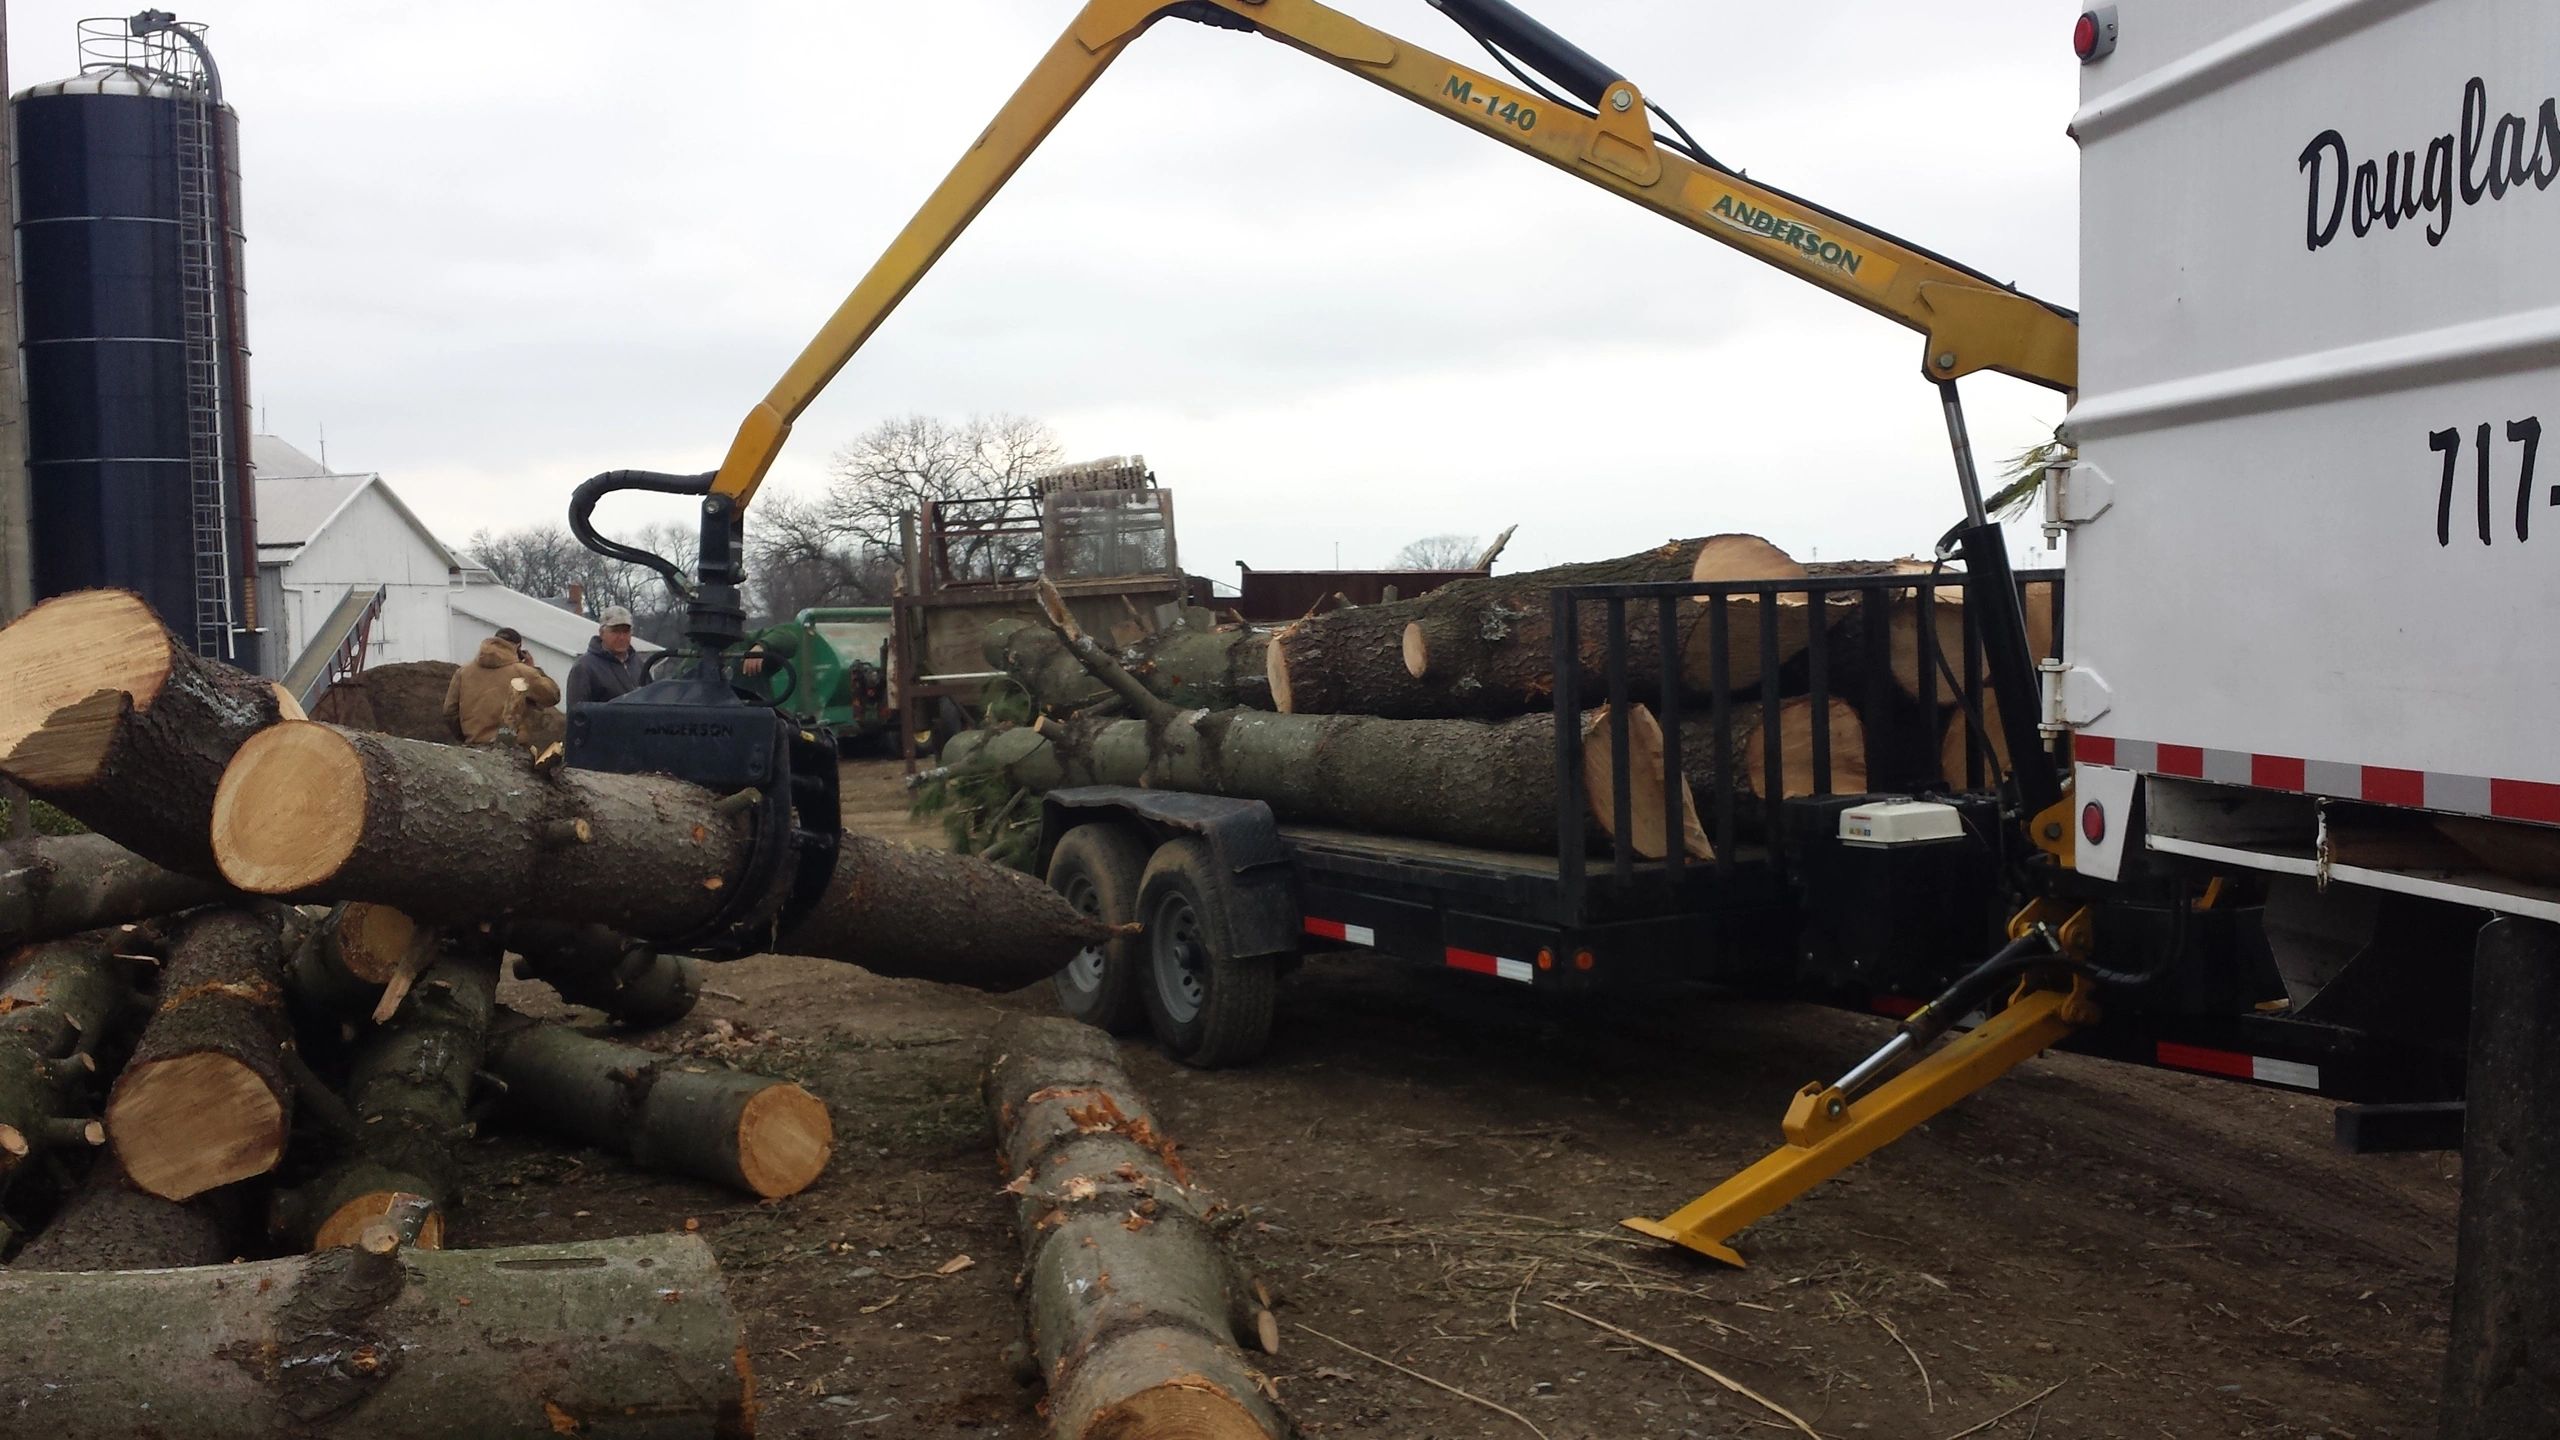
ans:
(1432, 1163)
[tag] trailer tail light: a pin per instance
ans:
(2093, 36)
(2093, 823)
(1581, 959)
(1546, 958)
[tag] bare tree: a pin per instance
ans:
(795, 560)
(539, 560)
(1438, 552)
(895, 466)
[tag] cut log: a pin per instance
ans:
(1644, 788)
(1469, 782)
(318, 813)
(409, 1087)
(206, 1098)
(1353, 661)
(632, 1337)
(595, 966)
(405, 699)
(110, 718)
(1746, 748)
(1492, 652)
(767, 1137)
(56, 885)
(1134, 1309)
(107, 1224)
(1194, 665)
(60, 1003)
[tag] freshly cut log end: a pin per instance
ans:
(70, 746)
(784, 1139)
(227, 1111)
(348, 1224)
(70, 648)
(1742, 557)
(1162, 1384)
(290, 810)
(1417, 651)
(1644, 785)
(1275, 668)
(372, 939)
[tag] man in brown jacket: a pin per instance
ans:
(483, 698)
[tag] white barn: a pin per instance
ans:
(323, 536)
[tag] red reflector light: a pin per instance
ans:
(2093, 36)
(2084, 37)
(2093, 822)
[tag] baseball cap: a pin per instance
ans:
(508, 634)
(614, 615)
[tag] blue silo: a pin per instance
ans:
(131, 278)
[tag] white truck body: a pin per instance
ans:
(2314, 546)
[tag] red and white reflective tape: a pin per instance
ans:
(2238, 1066)
(1336, 930)
(2374, 784)
(1494, 965)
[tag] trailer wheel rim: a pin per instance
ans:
(1181, 960)
(1084, 973)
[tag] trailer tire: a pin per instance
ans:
(1097, 868)
(1209, 1006)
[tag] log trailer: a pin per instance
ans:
(2281, 807)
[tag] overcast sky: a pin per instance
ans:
(494, 249)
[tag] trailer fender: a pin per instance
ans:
(1243, 838)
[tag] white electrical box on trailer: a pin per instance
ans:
(2314, 524)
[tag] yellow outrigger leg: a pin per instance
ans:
(1831, 1127)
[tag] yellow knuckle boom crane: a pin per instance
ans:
(1600, 128)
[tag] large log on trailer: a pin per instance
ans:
(754, 1133)
(107, 1224)
(630, 1338)
(113, 720)
(1353, 661)
(1135, 1310)
(409, 1088)
(1746, 741)
(313, 812)
(207, 1098)
(1491, 650)
(56, 885)
(59, 1004)
(1469, 782)
(1194, 664)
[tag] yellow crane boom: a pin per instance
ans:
(1972, 323)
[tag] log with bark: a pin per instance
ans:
(107, 1224)
(633, 1338)
(1194, 664)
(60, 1005)
(1491, 650)
(1746, 746)
(596, 966)
(409, 1088)
(207, 1098)
(405, 699)
(113, 720)
(1353, 661)
(1467, 782)
(313, 812)
(767, 1137)
(1135, 1310)
(56, 885)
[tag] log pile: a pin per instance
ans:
(254, 1014)
(1434, 718)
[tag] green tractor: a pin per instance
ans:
(833, 670)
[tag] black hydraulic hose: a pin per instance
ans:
(1930, 1021)
(1575, 70)
(582, 505)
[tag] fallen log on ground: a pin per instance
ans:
(110, 718)
(207, 1098)
(312, 812)
(405, 699)
(632, 1337)
(767, 1137)
(60, 1002)
(1352, 662)
(1134, 1308)
(409, 1087)
(56, 885)
(107, 1224)
(1193, 664)
(595, 966)
(1490, 650)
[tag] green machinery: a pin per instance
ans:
(833, 669)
